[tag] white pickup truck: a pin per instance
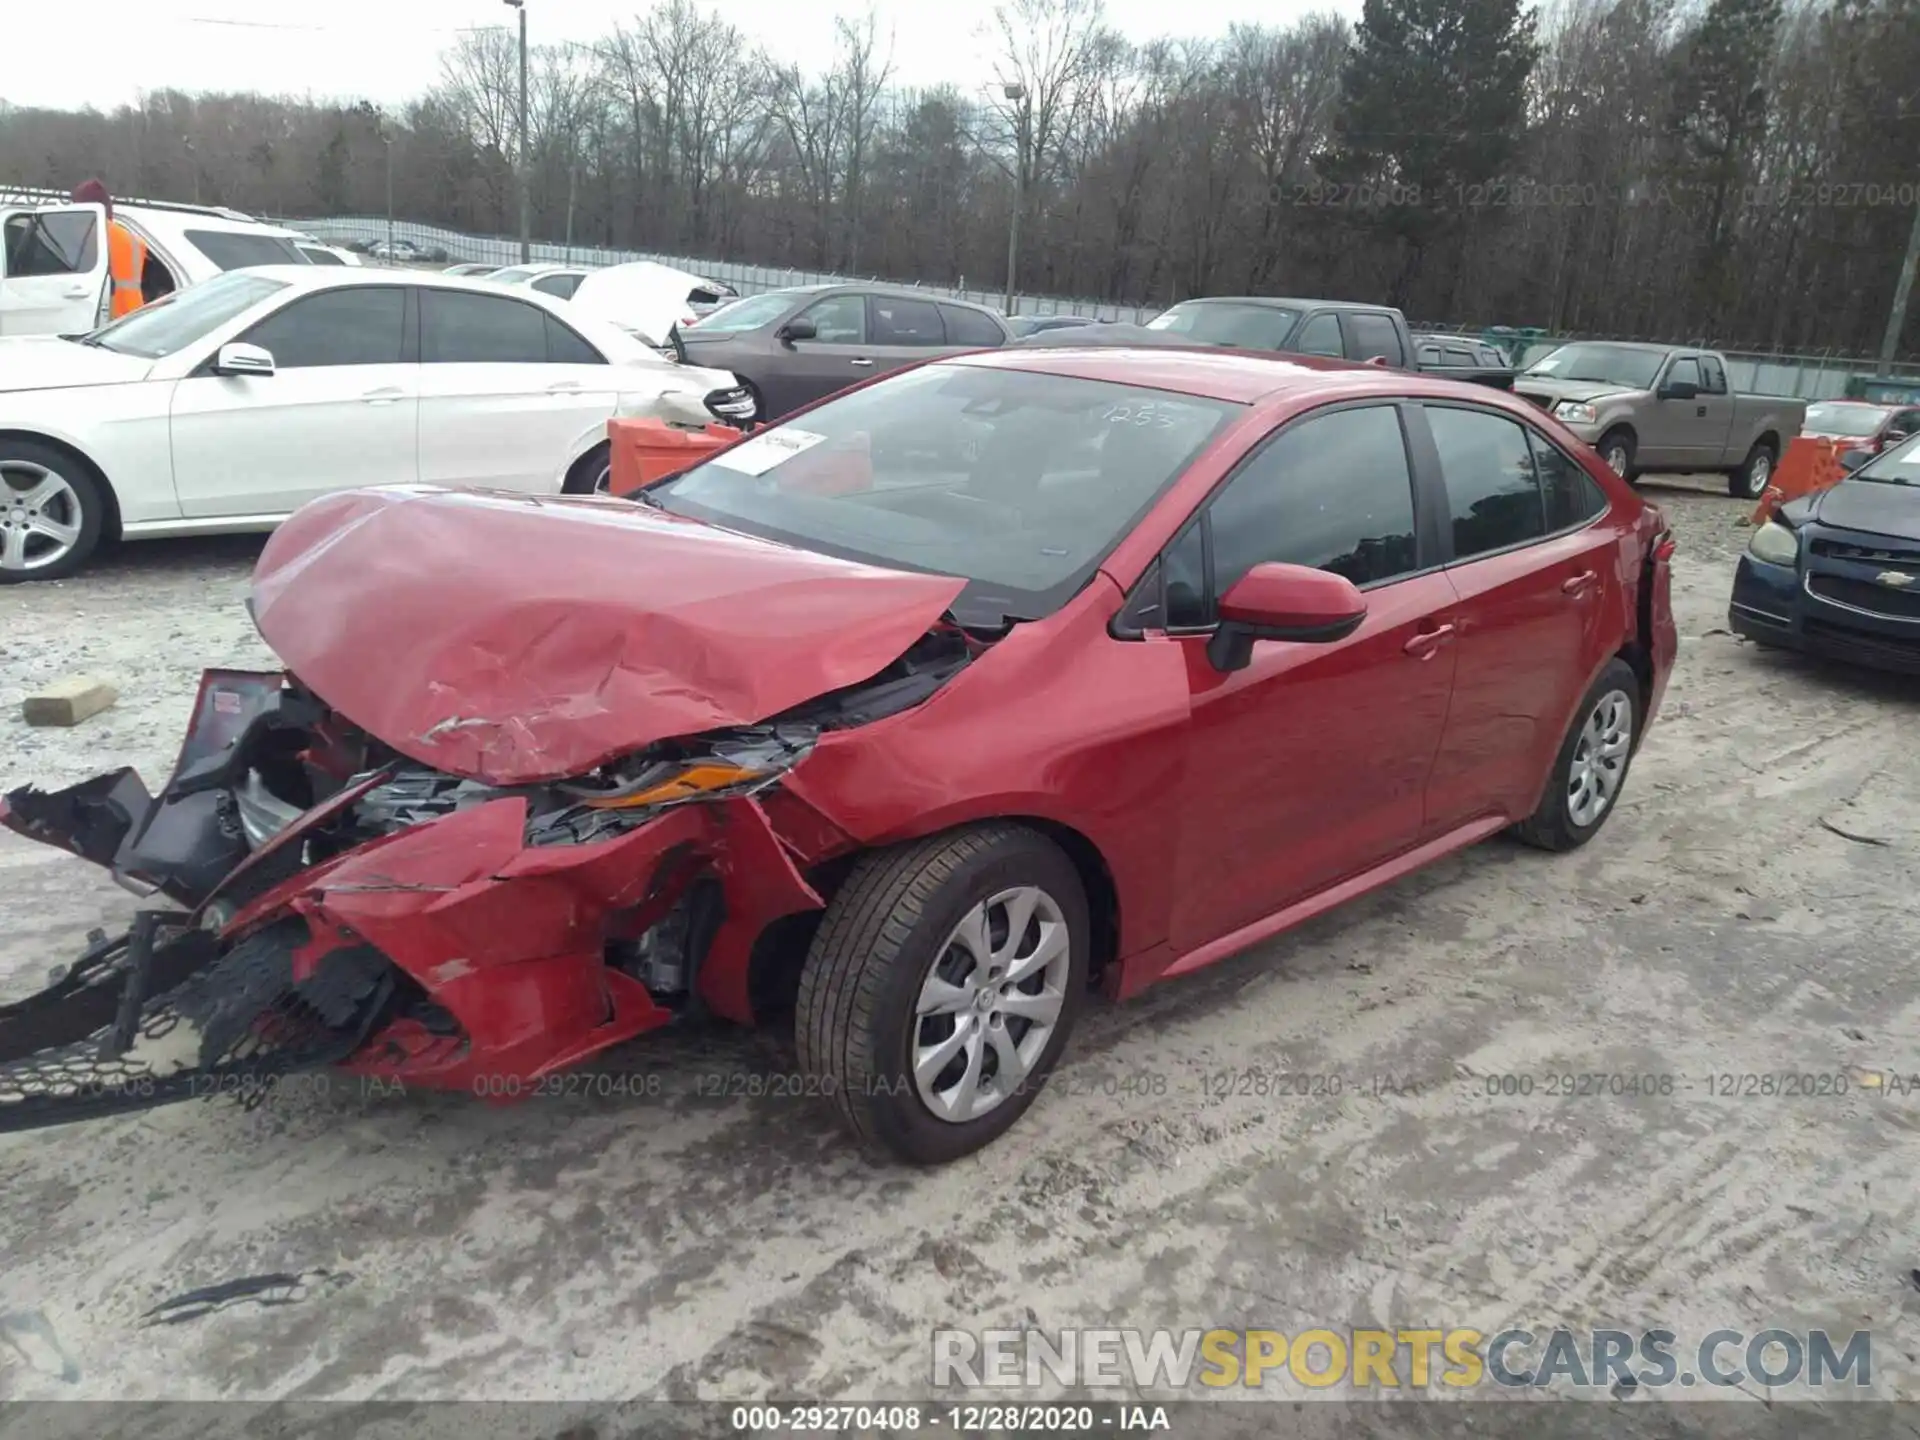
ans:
(53, 255)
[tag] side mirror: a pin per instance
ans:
(1679, 390)
(796, 330)
(238, 359)
(1852, 460)
(1283, 602)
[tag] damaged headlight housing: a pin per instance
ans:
(1775, 544)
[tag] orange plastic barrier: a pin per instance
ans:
(647, 450)
(1808, 465)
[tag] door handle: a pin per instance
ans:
(77, 293)
(563, 387)
(1578, 584)
(1427, 642)
(385, 396)
(862, 363)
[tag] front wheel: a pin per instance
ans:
(1616, 448)
(52, 512)
(1591, 768)
(1750, 481)
(940, 989)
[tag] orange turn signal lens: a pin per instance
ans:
(694, 780)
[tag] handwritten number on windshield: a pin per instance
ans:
(1147, 415)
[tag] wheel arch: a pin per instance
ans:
(110, 526)
(773, 965)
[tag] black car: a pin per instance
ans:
(1837, 572)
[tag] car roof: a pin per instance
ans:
(1283, 302)
(884, 291)
(1211, 372)
(326, 277)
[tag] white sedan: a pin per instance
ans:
(226, 406)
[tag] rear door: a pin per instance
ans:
(508, 392)
(970, 329)
(1537, 587)
(340, 410)
(53, 269)
(901, 331)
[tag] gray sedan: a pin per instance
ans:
(792, 347)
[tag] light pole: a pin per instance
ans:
(1017, 93)
(1902, 292)
(386, 139)
(526, 224)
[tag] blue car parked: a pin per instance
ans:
(1837, 573)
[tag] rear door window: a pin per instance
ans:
(1570, 494)
(1493, 490)
(1374, 337)
(905, 322)
(457, 328)
(969, 327)
(561, 287)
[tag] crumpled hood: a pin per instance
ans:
(516, 639)
(46, 362)
(1582, 390)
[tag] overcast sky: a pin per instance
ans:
(388, 50)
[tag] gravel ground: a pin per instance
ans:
(603, 1247)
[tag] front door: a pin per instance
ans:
(1671, 435)
(803, 371)
(1311, 764)
(340, 410)
(53, 269)
(1538, 597)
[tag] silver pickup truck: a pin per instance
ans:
(1663, 407)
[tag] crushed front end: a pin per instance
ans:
(320, 898)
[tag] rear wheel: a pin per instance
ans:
(941, 987)
(1591, 768)
(52, 512)
(1750, 481)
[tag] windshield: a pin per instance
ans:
(1608, 364)
(179, 319)
(1245, 327)
(237, 249)
(748, 314)
(1898, 466)
(1850, 420)
(1018, 482)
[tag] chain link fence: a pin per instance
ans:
(747, 279)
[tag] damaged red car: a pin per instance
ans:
(907, 722)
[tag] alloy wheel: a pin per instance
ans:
(40, 516)
(1600, 759)
(1758, 474)
(990, 1003)
(1617, 460)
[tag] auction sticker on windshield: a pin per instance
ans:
(763, 452)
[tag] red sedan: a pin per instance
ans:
(908, 720)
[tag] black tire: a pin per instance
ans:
(89, 498)
(1552, 825)
(1750, 481)
(882, 934)
(584, 477)
(760, 416)
(1620, 440)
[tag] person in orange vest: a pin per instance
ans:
(126, 252)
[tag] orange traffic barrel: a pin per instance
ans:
(644, 451)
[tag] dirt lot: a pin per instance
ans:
(617, 1246)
